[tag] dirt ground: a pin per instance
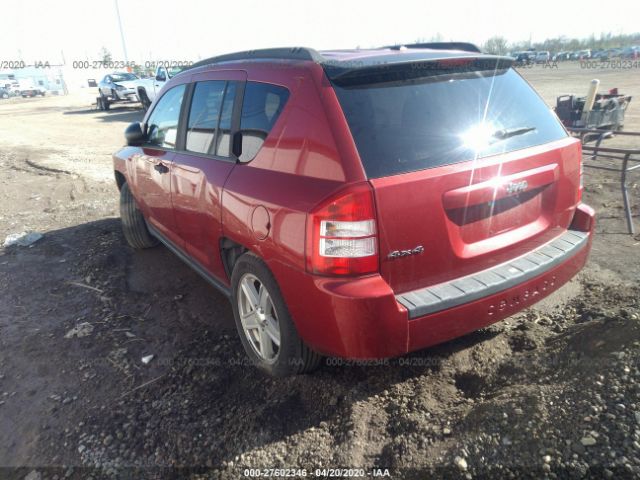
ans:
(552, 391)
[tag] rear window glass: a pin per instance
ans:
(440, 119)
(261, 107)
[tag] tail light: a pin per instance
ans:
(341, 234)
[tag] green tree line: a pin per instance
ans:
(499, 45)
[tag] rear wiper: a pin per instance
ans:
(511, 132)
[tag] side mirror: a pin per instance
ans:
(135, 135)
(161, 77)
(236, 146)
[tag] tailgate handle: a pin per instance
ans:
(500, 187)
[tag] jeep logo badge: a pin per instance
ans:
(517, 187)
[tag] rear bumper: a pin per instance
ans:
(364, 318)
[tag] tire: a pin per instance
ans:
(103, 101)
(134, 226)
(144, 100)
(292, 356)
(5, 95)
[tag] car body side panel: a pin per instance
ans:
(299, 165)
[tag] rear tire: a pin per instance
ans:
(292, 356)
(134, 226)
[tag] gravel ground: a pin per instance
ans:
(551, 392)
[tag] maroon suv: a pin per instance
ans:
(358, 203)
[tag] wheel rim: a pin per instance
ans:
(259, 318)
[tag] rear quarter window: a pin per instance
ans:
(261, 107)
(440, 119)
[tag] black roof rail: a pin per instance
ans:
(464, 46)
(292, 53)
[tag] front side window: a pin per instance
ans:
(261, 107)
(162, 126)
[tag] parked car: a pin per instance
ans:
(119, 86)
(583, 54)
(524, 58)
(357, 203)
(29, 89)
(631, 52)
(147, 89)
(562, 56)
(542, 57)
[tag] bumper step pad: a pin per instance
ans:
(493, 280)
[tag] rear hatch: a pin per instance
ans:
(469, 167)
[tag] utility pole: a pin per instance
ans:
(124, 45)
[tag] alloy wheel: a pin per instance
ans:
(259, 318)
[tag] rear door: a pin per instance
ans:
(466, 162)
(202, 166)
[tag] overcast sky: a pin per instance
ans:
(193, 29)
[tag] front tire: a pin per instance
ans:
(144, 100)
(134, 226)
(264, 324)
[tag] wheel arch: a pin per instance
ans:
(120, 179)
(230, 252)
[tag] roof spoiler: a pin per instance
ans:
(413, 65)
(464, 46)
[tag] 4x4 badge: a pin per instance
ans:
(405, 253)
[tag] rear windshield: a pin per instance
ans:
(443, 118)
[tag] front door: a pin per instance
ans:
(154, 161)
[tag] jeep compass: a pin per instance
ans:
(358, 203)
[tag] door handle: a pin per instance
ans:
(160, 167)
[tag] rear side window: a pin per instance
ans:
(162, 126)
(261, 107)
(203, 116)
(223, 141)
(209, 124)
(440, 119)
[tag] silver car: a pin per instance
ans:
(119, 86)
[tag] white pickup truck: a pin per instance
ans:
(148, 88)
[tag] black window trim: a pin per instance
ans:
(183, 120)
